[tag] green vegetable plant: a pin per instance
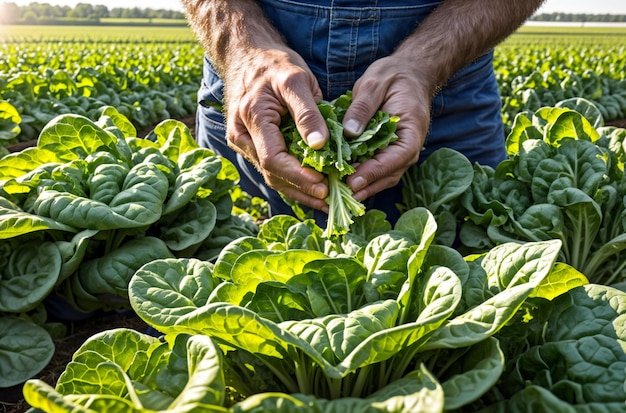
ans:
(390, 322)
(564, 179)
(335, 159)
(90, 204)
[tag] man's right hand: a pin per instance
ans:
(258, 92)
(264, 79)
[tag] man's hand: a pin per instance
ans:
(389, 85)
(263, 80)
(258, 93)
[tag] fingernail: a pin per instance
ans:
(315, 140)
(358, 183)
(353, 127)
(320, 191)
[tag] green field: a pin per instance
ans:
(24, 33)
(550, 36)
(49, 69)
(497, 290)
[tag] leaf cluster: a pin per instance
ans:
(336, 158)
(564, 179)
(90, 204)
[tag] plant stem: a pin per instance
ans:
(285, 379)
(362, 378)
(334, 388)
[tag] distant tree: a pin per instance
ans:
(101, 11)
(29, 17)
(82, 10)
(35, 12)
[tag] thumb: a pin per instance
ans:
(308, 119)
(359, 113)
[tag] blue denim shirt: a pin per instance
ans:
(339, 39)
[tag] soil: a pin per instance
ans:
(620, 123)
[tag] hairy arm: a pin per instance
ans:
(460, 31)
(456, 33)
(263, 79)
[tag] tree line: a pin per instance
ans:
(44, 13)
(580, 17)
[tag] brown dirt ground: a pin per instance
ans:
(620, 123)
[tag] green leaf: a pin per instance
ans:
(477, 372)
(10, 120)
(14, 222)
(25, 349)
(197, 168)
(571, 124)
(138, 203)
(522, 131)
(442, 177)
(102, 282)
(163, 290)
(110, 115)
(29, 275)
(580, 362)
(586, 108)
(192, 225)
(229, 254)
(73, 136)
(560, 280)
(512, 271)
(127, 370)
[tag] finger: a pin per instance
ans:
(301, 99)
(284, 170)
(384, 170)
(367, 97)
(267, 150)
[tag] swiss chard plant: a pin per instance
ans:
(335, 159)
(386, 322)
(89, 205)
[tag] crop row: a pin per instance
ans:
(280, 317)
(540, 76)
(145, 82)
(151, 81)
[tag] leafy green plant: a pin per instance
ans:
(91, 203)
(399, 325)
(564, 179)
(335, 159)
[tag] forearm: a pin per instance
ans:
(458, 32)
(230, 30)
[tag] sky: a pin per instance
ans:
(550, 6)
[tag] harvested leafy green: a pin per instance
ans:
(335, 159)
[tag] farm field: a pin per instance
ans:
(527, 308)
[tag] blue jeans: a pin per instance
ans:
(339, 43)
